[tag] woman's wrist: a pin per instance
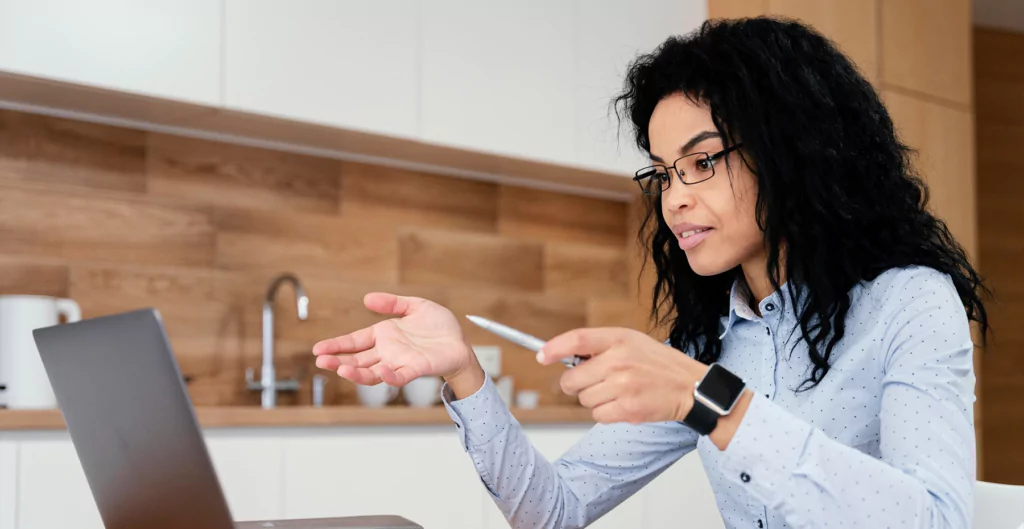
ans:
(468, 379)
(728, 424)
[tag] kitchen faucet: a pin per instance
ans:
(268, 383)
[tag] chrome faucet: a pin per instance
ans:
(268, 383)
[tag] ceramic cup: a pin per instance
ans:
(423, 392)
(376, 396)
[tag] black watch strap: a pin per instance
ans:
(701, 418)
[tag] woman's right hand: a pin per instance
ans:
(425, 340)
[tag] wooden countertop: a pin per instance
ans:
(300, 416)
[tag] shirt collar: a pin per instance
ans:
(739, 303)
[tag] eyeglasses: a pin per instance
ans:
(691, 169)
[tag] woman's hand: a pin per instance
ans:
(425, 340)
(631, 377)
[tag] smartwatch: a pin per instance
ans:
(714, 396)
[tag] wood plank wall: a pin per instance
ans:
(999, 82)
(918, 53)
(119, 219)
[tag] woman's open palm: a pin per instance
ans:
(425, 340)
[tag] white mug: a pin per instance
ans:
(376, 396)
(422, 392)
(527, 399)
(21, 369)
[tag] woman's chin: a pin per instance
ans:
(706, 267)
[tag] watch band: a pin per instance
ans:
(701, 418)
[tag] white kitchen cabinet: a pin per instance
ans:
(609, 35)
(162, 48)
(248, 466)
(52, 490)
(351, 64)
(497, 77)
(8, 484)
(421, 473)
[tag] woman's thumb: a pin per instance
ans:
(385, 303)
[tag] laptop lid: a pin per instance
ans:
(132, 423)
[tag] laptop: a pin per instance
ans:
(131, 421)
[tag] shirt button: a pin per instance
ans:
(744, 477)
(769, 307)
(760, 524)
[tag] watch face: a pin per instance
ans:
(721, 387)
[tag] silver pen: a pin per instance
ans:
(518, 337)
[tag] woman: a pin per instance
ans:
(794, 251)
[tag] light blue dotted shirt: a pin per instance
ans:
(886, 439)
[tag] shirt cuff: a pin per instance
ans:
(766, 450)
(479, 417)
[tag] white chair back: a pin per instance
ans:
(998, 506)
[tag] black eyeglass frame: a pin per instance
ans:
(639, 178)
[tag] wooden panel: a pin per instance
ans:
(97, 228)
(604, 312)
(998, 146)
(33, 278)
(556, 217)
(926, 47)
(736, 8)
(341, 415)
(641, 273)
(283, 241)
(384, 195)
(49, 150)
(585, 271)
(460, 259)
(998, 55)
(852, 25)
(999, 59)
(227, 175)
(1000, 101)
(543, 317)
(944, 138)
(218, 222)
(203, 312)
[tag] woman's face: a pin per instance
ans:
(714, 220)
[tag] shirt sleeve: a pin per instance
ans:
(925, 476)
(608, 465)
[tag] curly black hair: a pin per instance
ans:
(836, 185)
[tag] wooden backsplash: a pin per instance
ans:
(119, 219)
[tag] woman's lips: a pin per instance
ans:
(689, 240)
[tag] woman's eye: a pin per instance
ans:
(705, 164)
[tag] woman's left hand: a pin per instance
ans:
(628, 376)
(631, 377)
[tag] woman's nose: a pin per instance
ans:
(677, 196)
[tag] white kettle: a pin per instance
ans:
(22, 375)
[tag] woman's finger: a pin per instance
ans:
(354, 342)
(585, 375)
(398, 377)
(359, 375)
(597, 395)
(385, 303)
(609, 412)
(363, 359)
(583, 342)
